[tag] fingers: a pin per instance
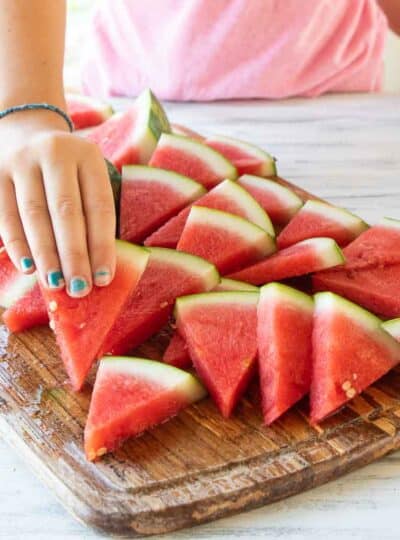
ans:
(11, 229)
(99, 209)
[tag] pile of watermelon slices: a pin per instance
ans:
(249, 275)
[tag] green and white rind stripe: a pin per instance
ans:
(269, 162)
(15, 290)
(169, 377)
(252, 209)
(328, 302)
(178, 182)
(221, 166)
(328, 251)
(282, 193)
(392, 327)
(227, 284)
(151, 122)
(136, 256)
(216, 298)
(340, 215)
(194, 265)
(390, 222)
(247, 231)
(279, 293)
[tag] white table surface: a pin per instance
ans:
(346, 149)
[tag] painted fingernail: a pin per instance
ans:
(102, 277)
(78, 286)
(26, 264)
(55, 279)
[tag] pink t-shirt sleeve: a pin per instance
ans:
(208, 49)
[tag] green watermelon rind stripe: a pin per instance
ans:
(216, 298)
(284, 293)
(158, 122)
(232, 283)
(392, 327)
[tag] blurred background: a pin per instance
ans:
(79, 19)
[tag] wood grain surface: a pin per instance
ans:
(197, 467)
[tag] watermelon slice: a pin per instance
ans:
(169, 274)
(81, 324)
(227, 196)
(247, 158)
(132, 395)
(192, 158)
(87, 112)
(350, 352)
(297, 260)
(178, 129)
(234, 285)
(285, 323)
(115, 181)
(280, 202)
(220, 330)
(371, 275)
(13, 283)
(230, 242)
(321, 219)
(129, 138)
(150, 197)
(393, 328)
(27, 312)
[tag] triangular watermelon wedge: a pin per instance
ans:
(193, 159)
(220, 329)
(280, 202)
(130, 137)
(13, 283)
(317, 218)
(285, 323)
(350, 352)
(27, 312)
(81, 324)
(246, 157)
(150, 197)
(86, 112)
(132, 395)
(303, 258)
(169, 274)
(227, 196)
(230, 242)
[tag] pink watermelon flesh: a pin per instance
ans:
(82, 113)
(371, 274)
(27, 312)
(284, 349)
(176, 159)
(169, 234)
(306, 224)
(150, 306)
(297, 260)
(146, 206)
(81, 324)
(177, 353)
(244, 163)
(348, 356)
(222, 344)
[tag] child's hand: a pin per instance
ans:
(56, 204)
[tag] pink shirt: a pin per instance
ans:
(216, 49)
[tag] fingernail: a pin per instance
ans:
(55, 279)
(26, 264)
(78, 286)
(102, 277)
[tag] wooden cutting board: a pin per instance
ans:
(197, 467)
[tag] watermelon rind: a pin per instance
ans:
(392, 327)
(227, 284)
(186, 384)
(292, 201)
(215, 298)
(269, 162)
(115, 181)
(390, 222)
(249, 232)
(180, 183)
(253, 210)
(216, 161)
(328, 251)
(278, 292)
(340, 215)
(193, 264)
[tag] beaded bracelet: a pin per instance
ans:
(36, 107)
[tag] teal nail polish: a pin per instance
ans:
(55, 279)
(102, 277)
(26, 263)
(77, 285)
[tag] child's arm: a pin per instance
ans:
(56, 204)
(392, 11)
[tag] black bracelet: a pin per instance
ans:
(36, 107)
